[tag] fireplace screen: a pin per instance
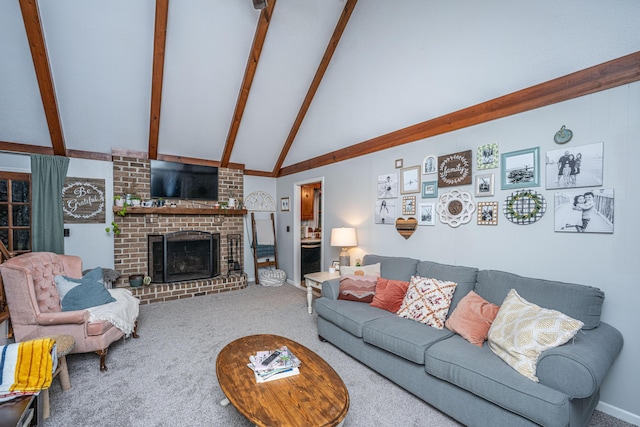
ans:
(183, 255)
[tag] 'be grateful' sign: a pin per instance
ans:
(83, 200)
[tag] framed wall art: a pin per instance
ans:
(520, 168)
(586, 211)
(487, 213)
(398, 163)
(385, 211)
(410, 180)
(409, 205)
(388, 186)
(579, 166)
(484, 185)
(284, 204)
(454, 169)
(427, 214)
(83, 200)
(455, 208)
(487, 156)
(429, 165)
(429, 189)
(524, 207)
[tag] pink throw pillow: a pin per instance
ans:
(356, 287)
(389, 294)
(472, 318)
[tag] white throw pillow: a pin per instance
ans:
(427, 301)
(523, 330)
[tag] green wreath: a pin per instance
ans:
(531, 195)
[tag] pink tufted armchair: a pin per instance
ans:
(34, 303)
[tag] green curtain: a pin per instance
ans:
(47, 179)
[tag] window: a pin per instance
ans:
(15, 211)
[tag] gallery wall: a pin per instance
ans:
(603, 260)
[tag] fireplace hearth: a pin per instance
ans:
(183, 255)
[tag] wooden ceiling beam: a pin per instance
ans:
(249, 74)
(33, 27)
(159, 43)
(315, 83)
(601, 77)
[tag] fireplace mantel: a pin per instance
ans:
(167, 210)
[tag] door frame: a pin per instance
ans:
(297, 199)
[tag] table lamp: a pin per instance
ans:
(344, 237)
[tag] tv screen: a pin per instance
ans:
(171, 180)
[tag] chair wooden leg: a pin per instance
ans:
(135, 330)
(103, 356)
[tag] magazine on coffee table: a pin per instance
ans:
(281, 365)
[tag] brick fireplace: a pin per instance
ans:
(131, 245)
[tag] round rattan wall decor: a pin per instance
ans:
(524, 207)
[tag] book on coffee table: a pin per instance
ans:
(277, 375)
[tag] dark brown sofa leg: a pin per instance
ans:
(103, 357)
(135, 330)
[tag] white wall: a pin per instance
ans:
(606, 261)
(88, 241)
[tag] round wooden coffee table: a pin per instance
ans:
(315, 397)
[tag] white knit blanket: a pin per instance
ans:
(122, 313)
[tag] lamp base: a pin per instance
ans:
(345, 259)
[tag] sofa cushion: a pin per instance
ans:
(481, 372)
(522, 330)
(391, 267)
(360, 288)
(389, 294)
(465, 277)
(580, 302)
(472, 318)
(402, 337)
(348, 315)
(427, 301)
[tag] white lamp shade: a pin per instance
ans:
(344, 237)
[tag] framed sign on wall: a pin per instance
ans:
(454, 169)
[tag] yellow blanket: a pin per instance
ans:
(26, 367)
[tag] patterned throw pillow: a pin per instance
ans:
(523, 330)
(427, 301)
(472, 318)
(356, 287)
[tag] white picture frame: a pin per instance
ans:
(426, 214)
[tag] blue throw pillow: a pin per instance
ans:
(64, 284)
(78, 294)
(85, 295)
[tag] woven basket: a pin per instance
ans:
(272, 277)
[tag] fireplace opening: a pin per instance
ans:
(183, 255)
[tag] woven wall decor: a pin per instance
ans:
(524, 207)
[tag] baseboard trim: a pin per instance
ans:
(618, 413)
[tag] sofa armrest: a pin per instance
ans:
(63, 318)
(578, 367)
(331, 288)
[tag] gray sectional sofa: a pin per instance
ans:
(469, 383)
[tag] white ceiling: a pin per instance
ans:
(398, 63)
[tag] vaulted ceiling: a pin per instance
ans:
(298, 84)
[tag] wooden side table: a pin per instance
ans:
(314, 281)
(64, 345)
